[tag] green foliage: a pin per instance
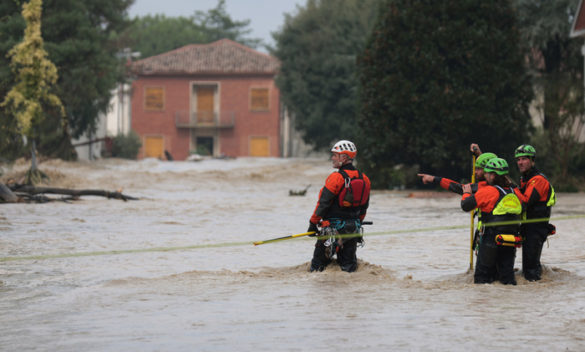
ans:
(552, 164)
(216, 24)
(55, 141)
(556, 65)
(11, 142)
(436, 76)
(77, 37)
(395, 176)
(126, 146)
(202, 150)
(152, 35)
(317, 48)
(31, 96)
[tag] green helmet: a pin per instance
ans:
(525, 150)
(497, 165)
(482, 160)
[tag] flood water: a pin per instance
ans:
(201, 285)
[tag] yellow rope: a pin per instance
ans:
(250, 243)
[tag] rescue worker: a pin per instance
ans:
(341, 208)
(456, 187)
(497, 202)
(539, 196)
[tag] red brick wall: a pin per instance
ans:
(234, 95)
(145, 123)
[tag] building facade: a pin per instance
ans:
(115, 121)
(216, 99)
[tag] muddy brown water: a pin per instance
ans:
(412, 290)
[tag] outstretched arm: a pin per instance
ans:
(426, 179)
(445, 183)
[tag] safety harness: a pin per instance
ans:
(331, 230)
(354, 194)
(508, 206)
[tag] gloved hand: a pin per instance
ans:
(313, 227)
(552, 229)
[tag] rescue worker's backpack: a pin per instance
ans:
(355, 192)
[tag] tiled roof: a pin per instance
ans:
(221, 57)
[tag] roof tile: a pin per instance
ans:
(221, 57)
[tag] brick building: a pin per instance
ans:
(215, 99)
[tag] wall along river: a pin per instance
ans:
(412, 290)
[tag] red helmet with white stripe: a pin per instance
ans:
(345, 147)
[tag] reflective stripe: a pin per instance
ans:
(552, 198)
(479, 222)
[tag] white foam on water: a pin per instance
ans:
(412, 290)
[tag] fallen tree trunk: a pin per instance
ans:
(7, 195)
(31, 193)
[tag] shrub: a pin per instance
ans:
(126, 146)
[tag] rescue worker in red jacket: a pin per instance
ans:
(539, 196)
(456, 187)
(341, 208)
(497, 203)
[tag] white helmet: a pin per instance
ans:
(345, 147)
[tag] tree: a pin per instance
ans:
(556, 66)
(435, 76)
(216, 24)
(152, 35)
(11, 141)
(78, 39)
(32, 97)
(317, 48)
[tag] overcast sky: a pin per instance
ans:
(265, 16)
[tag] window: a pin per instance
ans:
(259, 100)
(154, 147)
(154, 98)
(259, 146)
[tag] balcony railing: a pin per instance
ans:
(224, 119)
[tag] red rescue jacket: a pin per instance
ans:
(486, 199)
(330, 205)
(535, 190)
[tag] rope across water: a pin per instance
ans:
(250, 243)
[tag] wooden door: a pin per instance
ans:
(259, 146)
(153, 147)
(205, 104)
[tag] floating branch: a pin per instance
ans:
(23, 193)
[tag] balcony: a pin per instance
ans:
(224, 119)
